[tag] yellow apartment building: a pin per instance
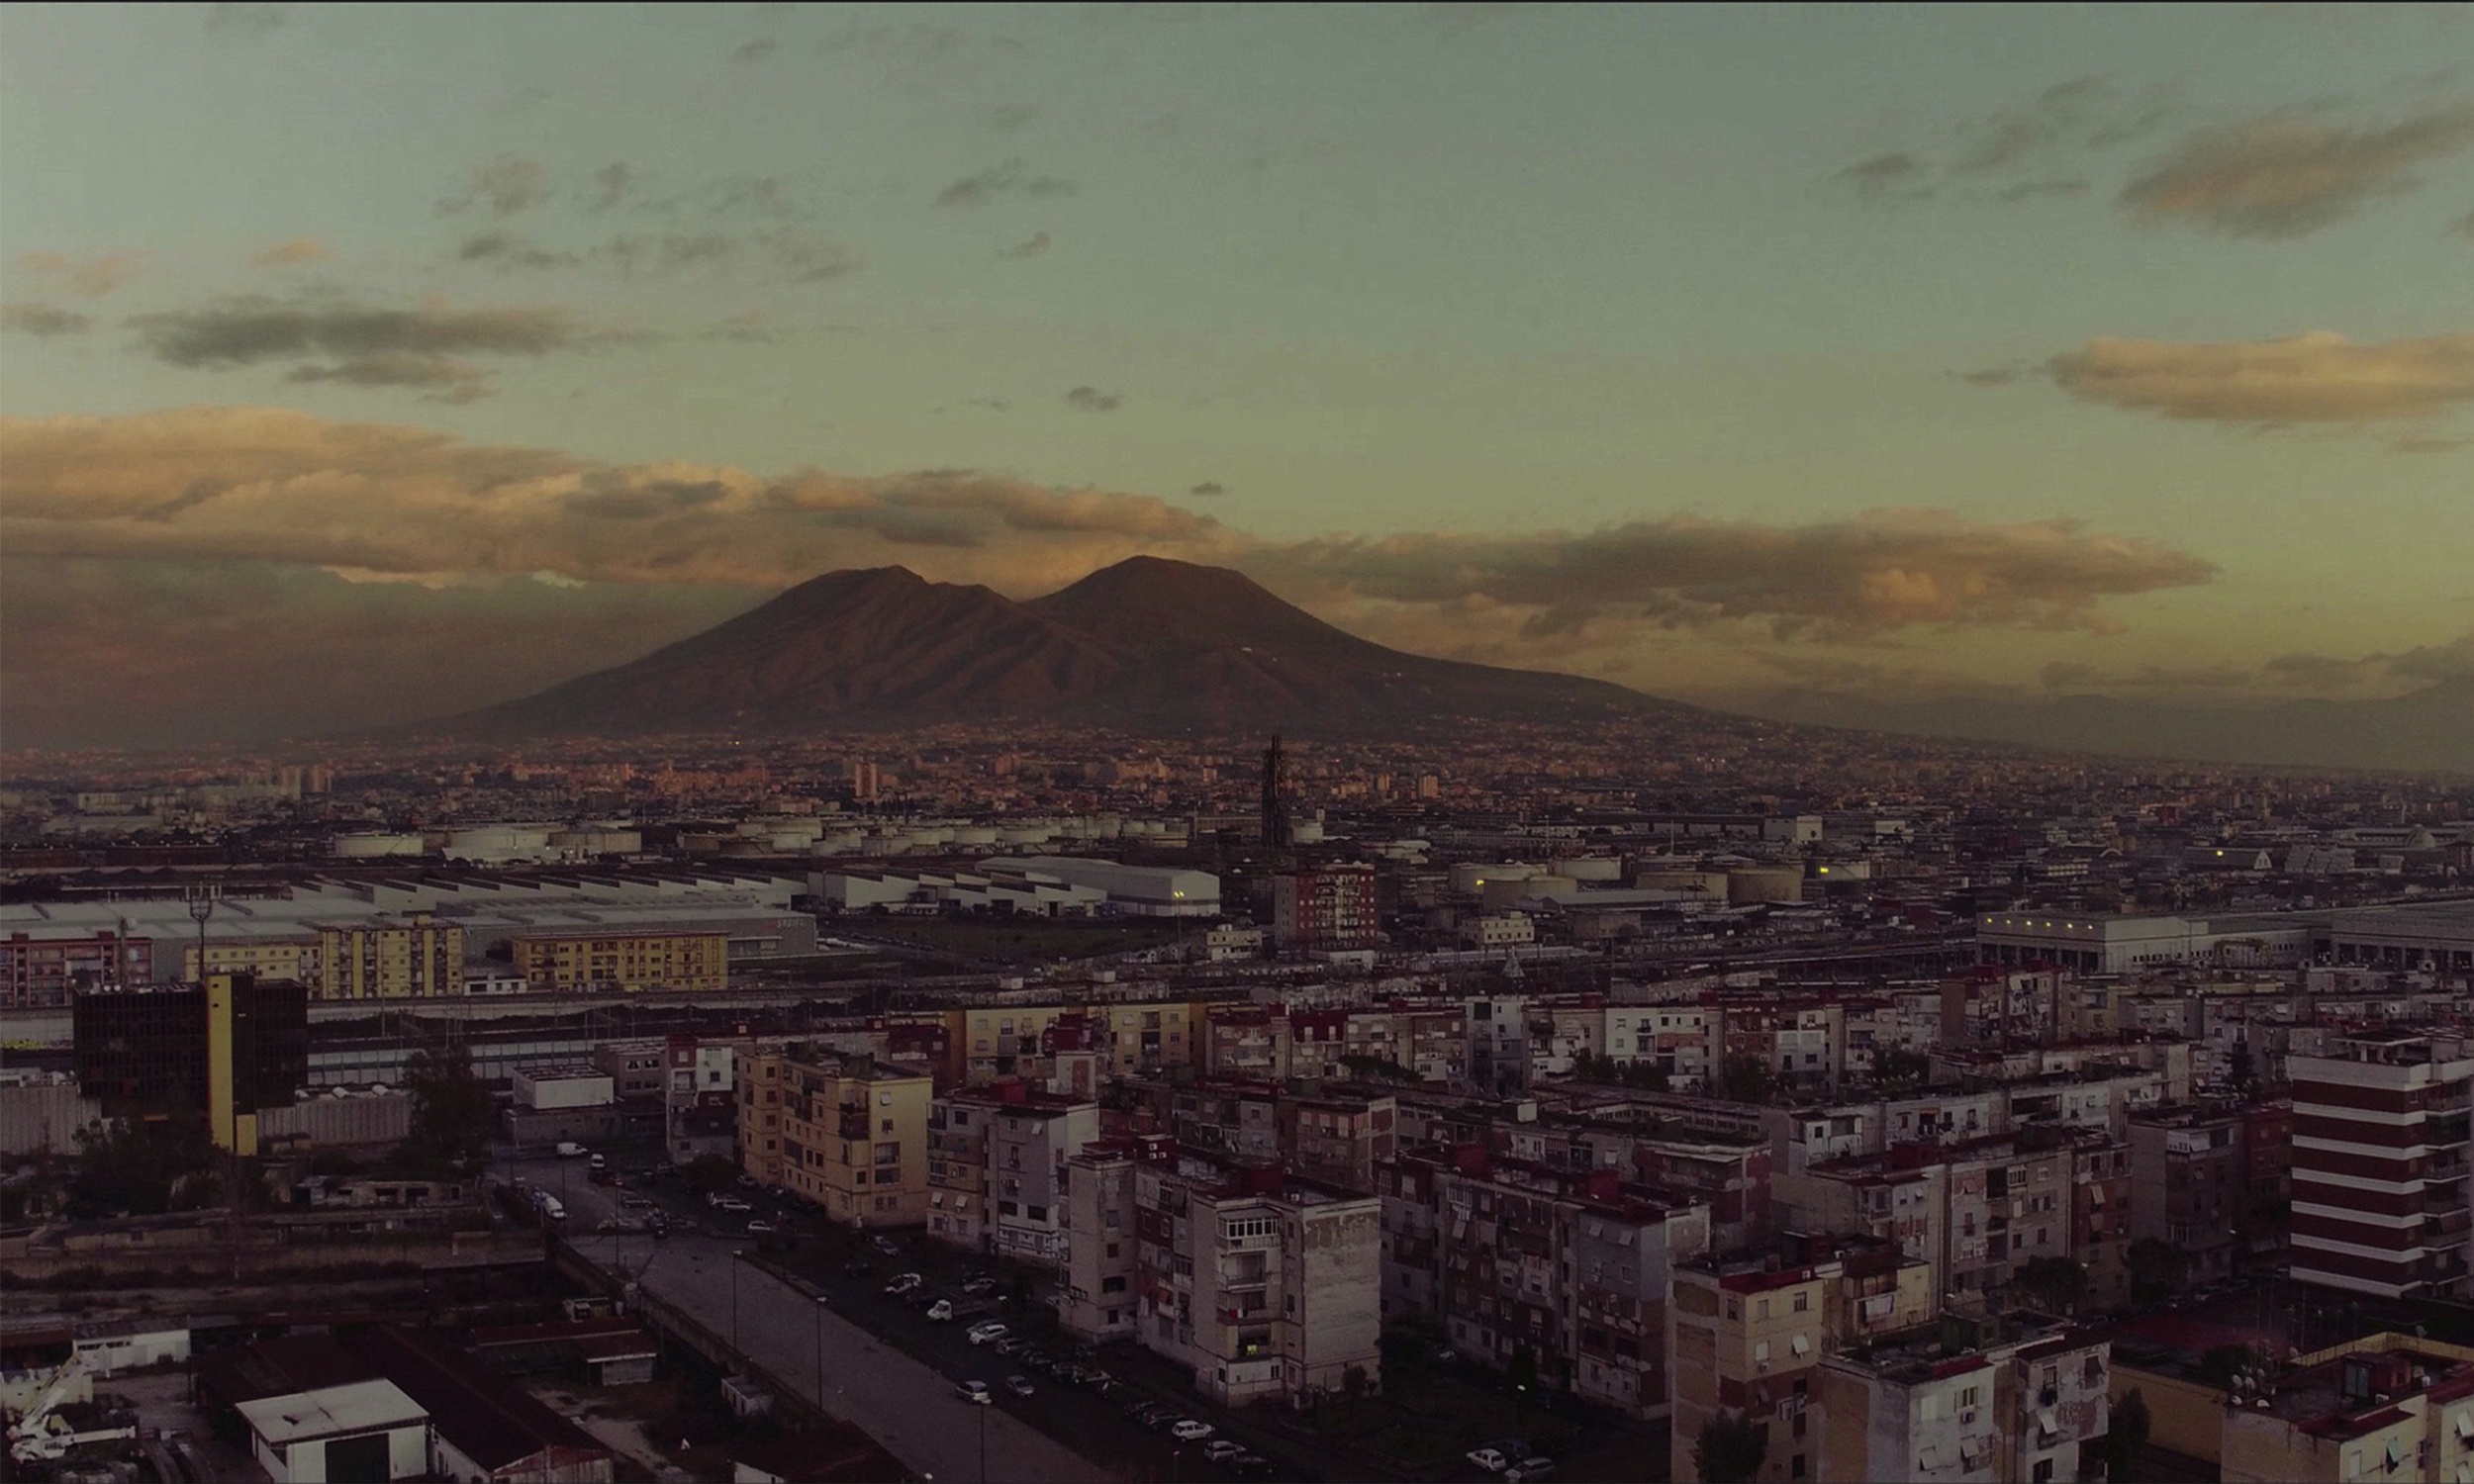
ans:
(606, 962)
(848, 1133)
(415, 958)
(294, 959)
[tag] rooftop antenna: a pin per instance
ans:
(202, 907)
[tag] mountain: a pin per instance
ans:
(2432, 729)
(1146, 645)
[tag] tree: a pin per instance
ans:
(1731, 1448)
(1746, 1079)
(145, 1166)
(1354, 1382)
(706, 1173)
(1896, 1065)
(2057, 1284)
(2127, 1434)
(2222, 1363)
(2158, 1269)
(453, 1115)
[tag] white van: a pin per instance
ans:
(568, 1149)
(552, 1208)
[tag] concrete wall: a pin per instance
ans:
(43, 1118)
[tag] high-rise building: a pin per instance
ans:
(2379, 1165)
(228, 1049)
(852, 1133)
(1325, 908)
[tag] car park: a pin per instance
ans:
(973, 1391)
(1018, 1385)
(1191, 1429)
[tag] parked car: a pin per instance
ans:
(1222, 1449)
(636, 1202)
(904, 1284)
(734, 1205)
(888, 1245)
(1018, 1385)
(976, 1287)
(761, 1229)
(1010, 1345)
(1250, 1466)
(1488, 1460)
(859, 1269)
(1191, 1429)
(973, 1391)
(987, 1331)
(941, 1311)
(599, 1162)
(1529, 1468)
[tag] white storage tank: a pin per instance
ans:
(1589, 868)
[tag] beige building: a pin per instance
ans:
(625, 963)
(2028, 1408)
(294, 959)
(2389, 1408)
(1266, 1286)
(1746, 1337)
(851, 1137)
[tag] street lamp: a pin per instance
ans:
(735, 1255)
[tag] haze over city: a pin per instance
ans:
(369, 365)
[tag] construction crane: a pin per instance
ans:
(40, 1434)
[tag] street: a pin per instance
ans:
(905, 1405)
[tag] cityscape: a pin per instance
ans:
(799, 744)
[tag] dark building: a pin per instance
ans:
(141, 1049)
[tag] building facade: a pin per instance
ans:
(2380, 1201)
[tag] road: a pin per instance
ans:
(907, 1406)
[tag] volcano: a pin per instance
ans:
(1147, 645)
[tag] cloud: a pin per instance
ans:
(370, 346)
(611, 184)
(228, 525)
(1030, 247)
(2031, 190)
(805, 257)
(506, 249)
(1008, 117)
(85, 277)
(506, 186)
(33, 317)
(2314, 378)
(756, 51)
(1995, 376)
(1093, 400)
(236, 18)
(1881, 571)
(440, 378)
(2291, 172)
(1011, 177)
(298, 252)
(1887, 178)
(1208, 486)
(2081, 114)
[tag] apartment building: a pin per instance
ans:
(1675, 1039)
(1325, 908)
(1901, 1197)
(1030, 1138)
(957, 1135)
(2186, 1184)
(2010, 1203)
(1745, 1335)
(290, 957)
(1803, 1046)
(608, 961)
(2100, 1216)
(1498, 1043)
(44, 971)
(852, 1133)
(1567, 1267)
(1266, 1286)
(2392, 1408)
(2380, 1201)
(2024, 1403)
(1101, 1256)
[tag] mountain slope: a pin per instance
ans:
(1146, 645)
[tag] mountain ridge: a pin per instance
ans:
(1146, 644)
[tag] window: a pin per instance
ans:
(888, 1126)
(1761, 1309)
(1803, 1301)
(2044, 1471)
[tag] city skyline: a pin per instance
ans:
(1718, 354)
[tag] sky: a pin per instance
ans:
(365, 363)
